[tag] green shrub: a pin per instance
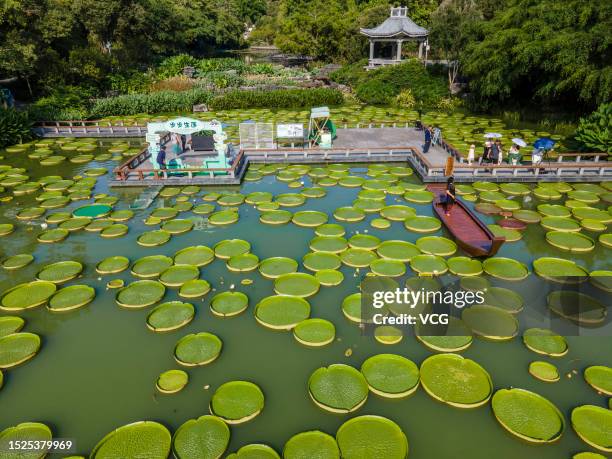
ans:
(281, 98)
(376, 92)
(156, 102)
(15, 127)
(405, 99)
(130, 83)
(594, 131)
(220, 65)
(63, 103)
(263, 69)
(173, 66)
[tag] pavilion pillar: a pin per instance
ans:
(371, 50)
(399, 50)
(421, 50)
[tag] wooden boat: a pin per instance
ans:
(471, 234)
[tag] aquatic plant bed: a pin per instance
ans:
(225, 321)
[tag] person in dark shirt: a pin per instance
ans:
(161, 157)
(427, 140)
(449, 198)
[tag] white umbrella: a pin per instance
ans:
(492, 135)
(519, 142)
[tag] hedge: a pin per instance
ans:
(279, 98)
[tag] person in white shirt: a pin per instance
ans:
(470, 156)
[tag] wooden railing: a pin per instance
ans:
(333, 154)
(118, 128)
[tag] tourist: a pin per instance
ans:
(470, 155)
(176, 144)
(427, 140)
(183, 143)
(501, 152)
(536, 156)
(494, 156)
(161, 157)
(486, 153)
(514, 154)
(449, 198)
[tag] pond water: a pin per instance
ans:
(97, 366)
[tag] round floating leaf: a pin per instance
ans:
(194, 288)
(559, 270)
(330, 229)
(172, 381)
(436, 245)
(577, 307)
(454, 337)
(230, 200)
(53, 235)
(275, 217)
(545, 342)
(282, 312)
(111, 265)
(368, 205)
(422, 224)
(6, 229)
(153, 238)
(349, 214)
(170, 316)
(329, 277)
(309, 218)
(456, 381)
(606, 240)
(494, 197)
(223, 217)
(237, 401)
(229, 248)
(30, 213)
(505, 268)
(229, 304)
(313, 192)
(277, 266)
(177, 275)
(599, 378)
(487, 208)
(72, 297)
(554, 210)
(546, 193)
(197, 349)
(140, 439)
(18, 348)
(572, 242)
(464, 266)
(593, 424)
(509, 234)
(397, 212)
(151, 266)
(317, 261)
(314, 332)
(544, 371)
(517, 189)
(92, 211)
(527, 216)
(24, 432)
(560, 224)
(388, 268)
(358, 258)
(390, 375)
(528, 415)
(199, 255)
(490, 322)
(75, 223)
(380, 223)
(116, 230)
(419, 197)
(398, 250)
(290, 199)
(593, 225)
(364, 241)
(140, 294)
(27, 295)
(121, 215)
(338, 388)
(204, 438)
(331, 244)
(17, 261)
(177, 226)
(504, 298)
(243, 263)
(10, 324)
(372, 436)
(311, 445)
(592, 213)
(203, 209)
(427, 264)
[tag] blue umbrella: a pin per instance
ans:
(544, 143)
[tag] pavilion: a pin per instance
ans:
(395, 30)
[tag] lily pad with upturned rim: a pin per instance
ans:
(27, 295)
(358, 258)
(329, 277)
(314, 332)
(243, 263)
(544, 371)
(153, 238)
(170, 316)
(490, 322)
(391, 375)
(10, 324)
(364, 241)
(206, 437)
(151, 266)
(197, 349)
(398, 250)
(229, 304)
(223, 217)
(349, 214)
(330, 229)
(422, 224)
(237, 402)
(313, 444)
(316, 261)
(229, 248)
(372, 436)
(24, 432)
(331, 244)
(282, 312)
(139, 439)
(593, 424)
(140, 294)
(454, 337)
(505, 268)
(17, 261)
(70, 298)
(464, 266)
(545, 342)
(572, 242)
(428, 264)
(599, 377)
(504, 298)
(277, 266)
(578, 307)
(172, 381)
(18, 348)
(53, 235)
(559, 270)
(338, 388)
(199, 255)
(309, 218)
(194, 288)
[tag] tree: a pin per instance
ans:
(449, 32)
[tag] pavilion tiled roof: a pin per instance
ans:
(396, 27)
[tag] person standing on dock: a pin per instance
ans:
(161, 157)
(449, 197)
(470, 156)
(427, 140)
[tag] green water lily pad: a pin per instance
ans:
(436, 245)
(572, 242)
(257, 197)
(140, 439)
(313, 192)
(229, 304)
(329, 277)
(206, 437)
(422, 224)
(203, 209)
(369, 205)
(169, 316)
(199, 255)
(275, 217)
(559, 270)
(527, 415)
(59, 272)
(282, 312)
(153, 238)
(27, 295)
(99, 225)
(505, 268)
(545, 342)
(197, 349)
(560, 224)
(606, 240)
(172, 381)
(577, 307)
(583, 196)
(140, 294)
(313, 444)
(599, 377)
(243, 263)
(428, 264)
(18, 348)
(358, 258)
(223, 217)
(229, 248)
(314, 332)
(456, 381)
(237, 401)
(330, 244)
(17, 261)
(398, 250)
(464, 266)
(53, 235)
(290, 199)
(349, 214)
(419, 197)
(515, 189)
(546, 193)
(527, 216)
(364, 241)
(554, 210)
(593, 424)
(317, 261)
(371, 436)
(309, 218)
(6, 229)
(509, 234)
(380, 223)
(453, 337)
(490, 322)
(176, 276)
(387, 267)
(595, 226)
(330, 229)
(10, 324)
(592, 213)
(503, 298)
(277, 266)
(177, 226)
(24, 432)
(338, 388)
(115, 230)
(231, 200)
(70, 298)
(75, 223)
(544, 371)
(493, 196)
(30, 213)
(391, 375)
(150, 266)
(487, 208)
(194, 288)
(397, 212)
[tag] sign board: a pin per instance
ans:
(184, 126)
(290, 131)
(152, 138)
